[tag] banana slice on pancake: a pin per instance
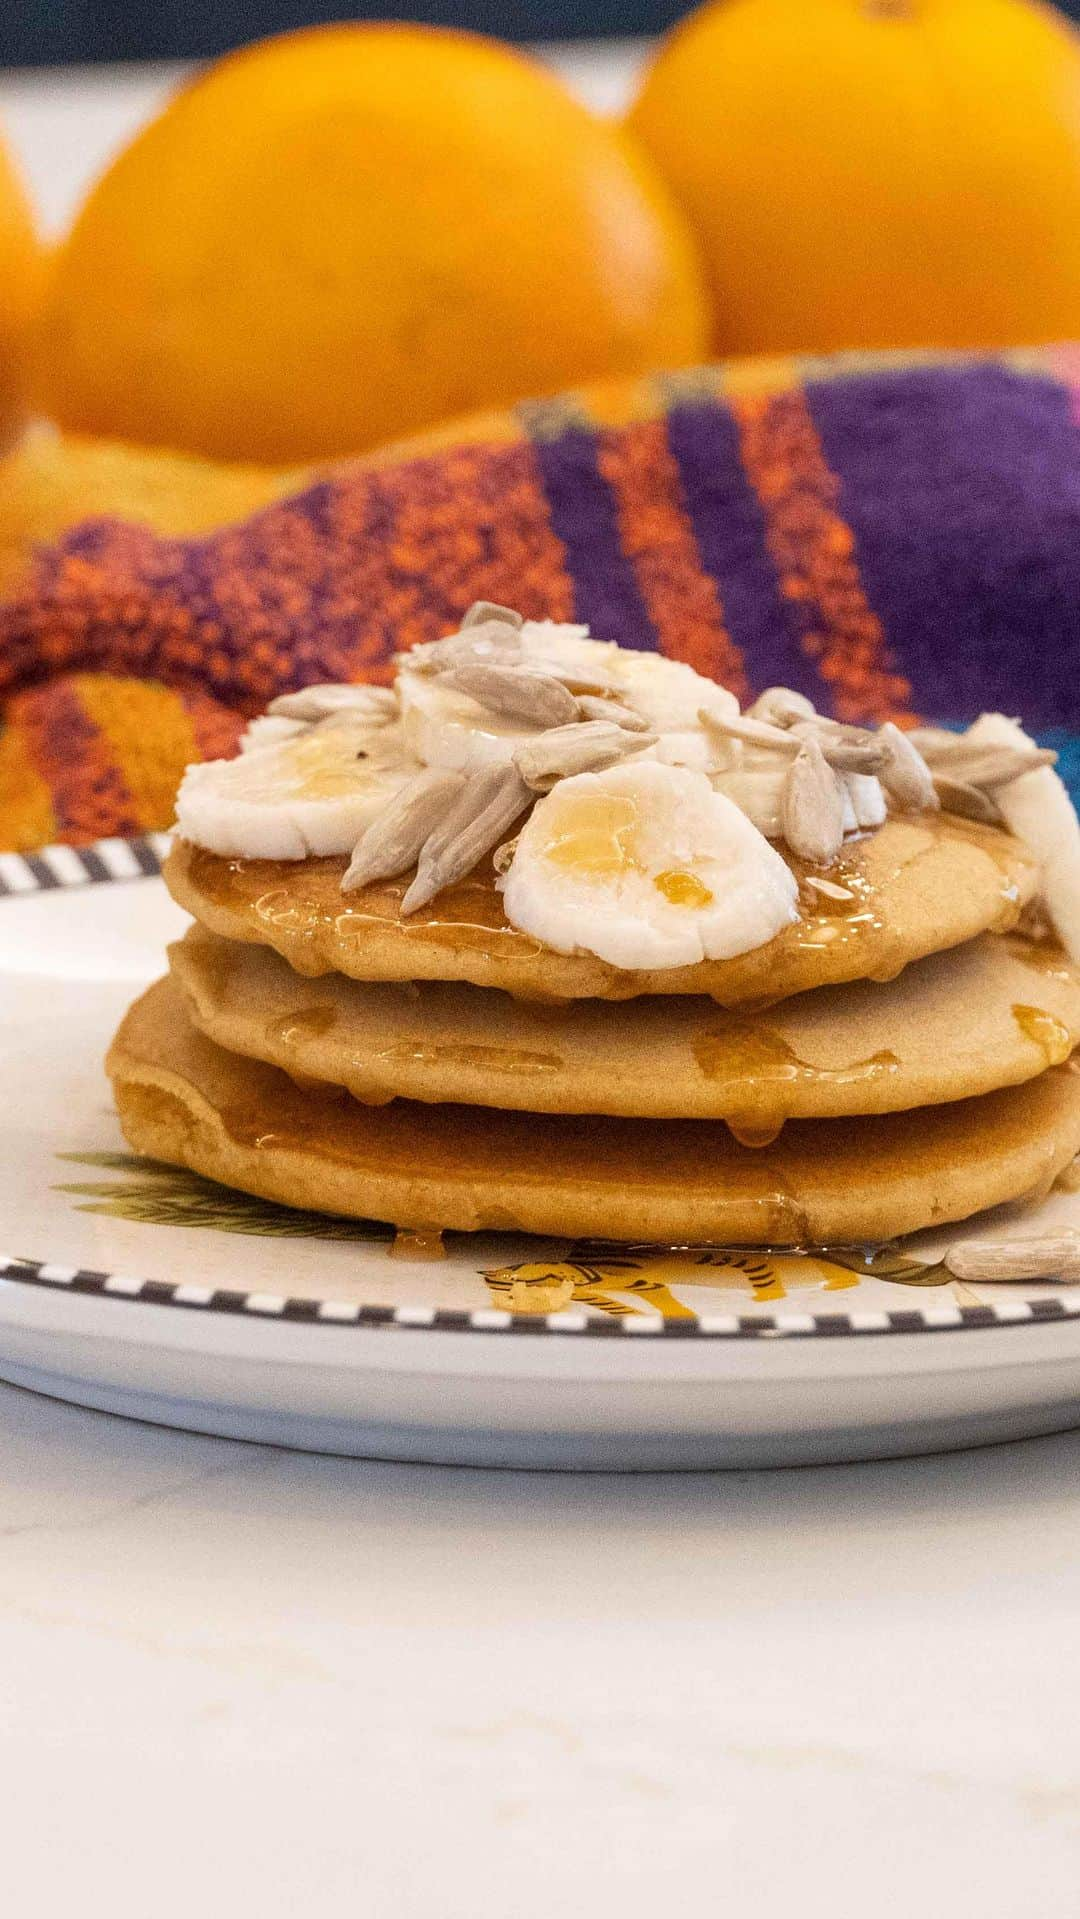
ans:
(314, 793)
(646, 866)
(1037, 808)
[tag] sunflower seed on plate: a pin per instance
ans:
(481, 611)
(594, 708)
(514, 693)
(585, 747)
(750, 732)
(377, 704)
(970, 802)
(476, 822)
(391, 843)
(812, 807)
(905, 776)
(1046, 1256)
(781, 706)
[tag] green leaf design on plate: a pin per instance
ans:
(154, 1194)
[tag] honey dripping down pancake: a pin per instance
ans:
(991, 1013)
(912, 888)
(184, 1100)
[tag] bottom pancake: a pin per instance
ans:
(182, 1099)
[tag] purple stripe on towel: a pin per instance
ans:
(583, 513)
(730, 531)
(954, 481)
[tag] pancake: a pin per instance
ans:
(183, 1100)
(988, 1014)
(913, 888)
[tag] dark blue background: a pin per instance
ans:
(46, 31)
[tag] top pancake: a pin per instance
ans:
(915, 887)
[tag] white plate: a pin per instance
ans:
(148, 1292)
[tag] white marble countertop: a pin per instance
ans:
(232, 1679)
(238, 1679)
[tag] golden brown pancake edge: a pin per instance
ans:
(184, 1100)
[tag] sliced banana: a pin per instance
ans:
(646, 866)
(312, 794)
(1037, 808)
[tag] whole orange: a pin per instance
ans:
(875, 172)
(341, 235)
(20, 267)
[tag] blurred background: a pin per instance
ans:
(56, 32)
(33, 32)
(342, 242)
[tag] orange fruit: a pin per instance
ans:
(340, 235)
(865, 173)
(20, 269)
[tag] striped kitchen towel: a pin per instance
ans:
(890, 535)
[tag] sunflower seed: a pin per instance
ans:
(905, 776)
(392, 842)
(577, 679)
(476, 822)
(751, 732)
(481, 611)
(781, 706)
(378, 704)
(1049, 1256)
(970, 802)
(514, 693)
(812, 807)
(597, 709)
(986, 765)
(828, 888)
(847, 755)
(582, 748)
(490, 641)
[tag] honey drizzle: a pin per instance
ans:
(498, 1059)
(423, 1243)
(1045, 1031)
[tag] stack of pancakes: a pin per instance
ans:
(897, 1058)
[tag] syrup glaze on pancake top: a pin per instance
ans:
(532, 809)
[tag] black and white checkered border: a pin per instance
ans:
(112, 860)
(124, 1288)
(105, 862)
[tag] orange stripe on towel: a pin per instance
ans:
(681, 598)
(813, 550)
(147, 734)
(26, 810)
